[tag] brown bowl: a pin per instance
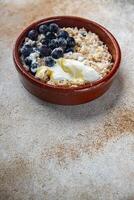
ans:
(61, 94)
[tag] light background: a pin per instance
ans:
(50, 152)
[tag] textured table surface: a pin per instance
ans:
(50, 152)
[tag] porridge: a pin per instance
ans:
(65, 56)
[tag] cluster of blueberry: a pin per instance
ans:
(55, 43)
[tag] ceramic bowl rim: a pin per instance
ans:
(24, 72)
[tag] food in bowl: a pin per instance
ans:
(65, 56)
(64, 94)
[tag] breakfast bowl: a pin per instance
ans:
(60, 94)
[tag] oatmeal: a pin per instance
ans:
(65, 56)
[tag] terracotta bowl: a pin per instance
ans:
(61, 94)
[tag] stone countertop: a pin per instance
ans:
(51, 152)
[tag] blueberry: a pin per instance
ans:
(53, 43)
(50, 35)
(28, 61)
(62, 43)
(43, 29)
(53, 28)
(44, 51)
(26, 50)
(33, 35)
(69, 50)
(70, 42)
(33, 68)
(63, 34)
(57, 53)
(27, 46)
(49, 61)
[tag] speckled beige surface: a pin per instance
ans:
(50, 152)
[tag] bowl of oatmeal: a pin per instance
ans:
(66, 60)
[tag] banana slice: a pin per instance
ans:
(43, 73)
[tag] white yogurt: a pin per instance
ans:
(78, 70)
(70, 70)
(34, 56)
